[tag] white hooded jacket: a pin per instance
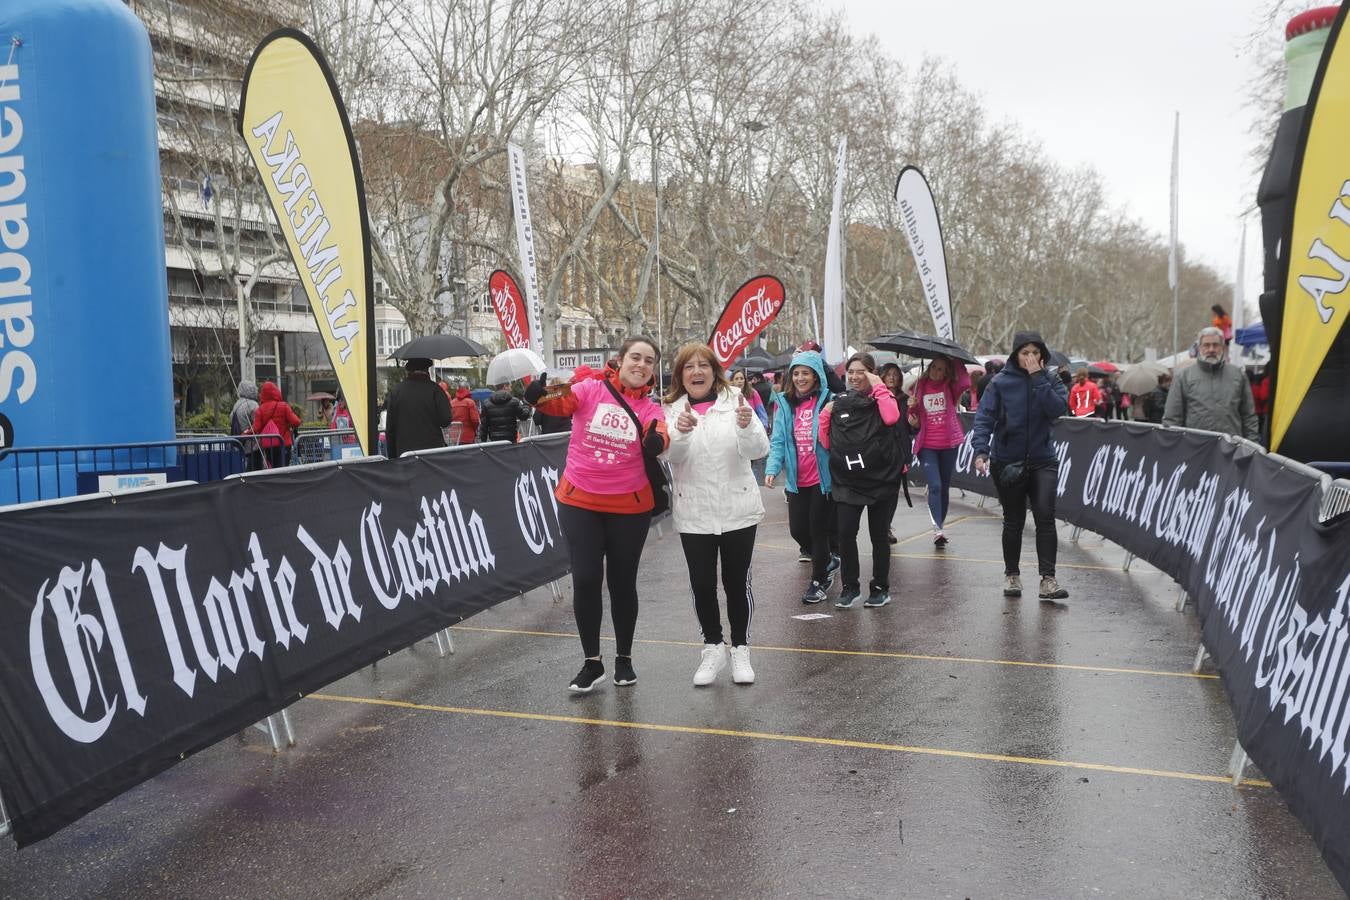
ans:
(713, 489)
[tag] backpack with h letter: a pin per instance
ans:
(864, 454)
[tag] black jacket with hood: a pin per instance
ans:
(500, 417)
(1017, 413)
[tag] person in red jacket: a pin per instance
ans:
(464, 411)
(274, 416)
(1084, 395)
(1261, 401)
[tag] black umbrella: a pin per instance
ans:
(1058, 359)
(756, 359)
(926, 346)
(439, 346)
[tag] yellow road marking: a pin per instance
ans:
(788, 738)
(883, 654)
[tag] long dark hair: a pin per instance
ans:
(887, 369)
(868, 361)
(747, 389)
(643, 339)
(790, 389)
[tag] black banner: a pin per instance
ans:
(137, 630)
(1241, 533)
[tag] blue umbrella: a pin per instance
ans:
(1254, 333)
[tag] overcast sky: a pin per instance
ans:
(1099, 83)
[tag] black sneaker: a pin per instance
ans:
(623, 671)
(803, 556)
(847, 597)
(879, 596)
(890, 536)
(832, 566)
(815, 593)
(592, 673)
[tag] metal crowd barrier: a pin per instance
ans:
(324, 445)
(31, 474)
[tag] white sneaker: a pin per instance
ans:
(741, 673)
(713, 661)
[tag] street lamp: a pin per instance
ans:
(752, 127)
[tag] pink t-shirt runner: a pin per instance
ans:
(604, 456)
(808, 472)
(935, 403)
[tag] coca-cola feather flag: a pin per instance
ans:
(509, 304)
(749, 311)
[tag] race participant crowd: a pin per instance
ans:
(840, 447)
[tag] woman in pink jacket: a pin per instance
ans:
(933, 411)
(605, 500)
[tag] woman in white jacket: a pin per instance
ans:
(714, 434)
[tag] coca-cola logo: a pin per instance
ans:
(749, 311)
(510, 308)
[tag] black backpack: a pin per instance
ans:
(864, 454)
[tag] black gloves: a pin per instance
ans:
(534, 391)
(653, 442)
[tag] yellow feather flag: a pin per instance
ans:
(293, 120)
(1317, 240)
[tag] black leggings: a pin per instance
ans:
(1039, 490)
(594, 538)
(700, 553)
(810, 521)
(879, 515)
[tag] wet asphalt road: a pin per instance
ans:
(952, 744)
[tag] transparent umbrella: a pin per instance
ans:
(518, 362)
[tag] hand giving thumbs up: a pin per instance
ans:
(687, 420)
(743, 412)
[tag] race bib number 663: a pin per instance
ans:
(612, 422)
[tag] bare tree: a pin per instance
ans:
(218, 214)
(461, 78)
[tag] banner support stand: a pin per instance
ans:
(1129, 558)
(1237, 763)
(268, 726)
(440, 644)
(1200, 654)
(1182, 597)
(555, 588)
(4, 818)
(1073, 536)
(449, 642)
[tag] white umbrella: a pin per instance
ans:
(518, 362)
(1140, 378)
(911, 379)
